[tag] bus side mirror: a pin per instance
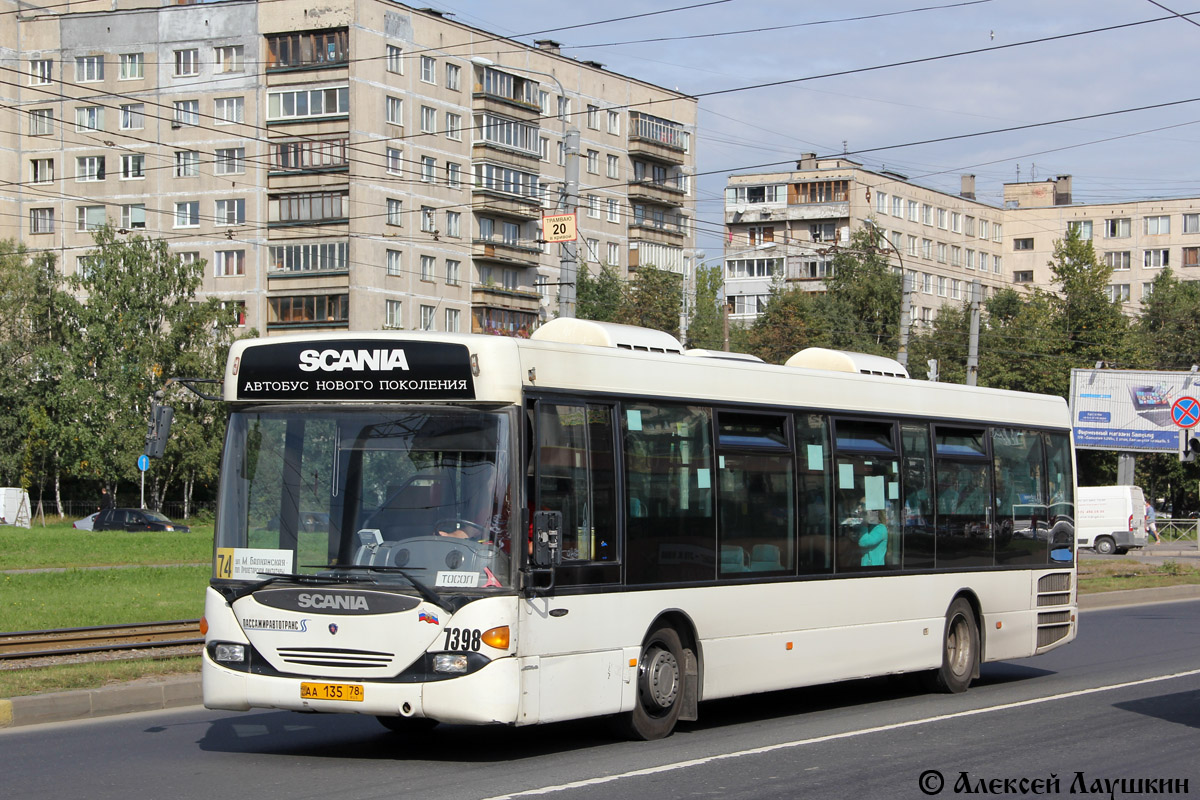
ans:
(546, 527)
(160, 429)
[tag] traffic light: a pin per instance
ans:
(160, 429)
(1189, 445)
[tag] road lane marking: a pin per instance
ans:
(754, 751)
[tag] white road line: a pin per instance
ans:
(833, 737)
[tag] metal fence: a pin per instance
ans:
(76, 509)
(1178, 530)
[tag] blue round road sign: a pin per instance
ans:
(1185, 412)
(143, 462)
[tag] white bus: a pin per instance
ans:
(475, 529)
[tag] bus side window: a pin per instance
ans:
(918, 497)
(814, 477)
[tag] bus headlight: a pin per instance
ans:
(454, 663)
(229, 653)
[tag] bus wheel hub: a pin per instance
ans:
(661, 678)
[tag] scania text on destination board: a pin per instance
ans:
(356, 369)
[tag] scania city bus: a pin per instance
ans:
(473, 529)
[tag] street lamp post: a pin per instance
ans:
(568, 202)
(906, 289)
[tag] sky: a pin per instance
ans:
(1003, 78)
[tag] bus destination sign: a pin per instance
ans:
(355, 369)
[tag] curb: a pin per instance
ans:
(156, 694)
(151, 694)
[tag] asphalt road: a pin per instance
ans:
(1122, 702)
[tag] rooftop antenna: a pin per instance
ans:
(1018, 173)
(844, 148)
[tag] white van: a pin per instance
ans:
(1110, 519)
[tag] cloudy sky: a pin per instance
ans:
(1094, 57)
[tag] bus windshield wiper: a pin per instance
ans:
(427, 594)
(275, 577)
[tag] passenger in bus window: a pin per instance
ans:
(874, 539)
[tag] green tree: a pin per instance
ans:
(598, 297)
(1167, 334)
(706, 322)
(653, 299)
(793, 320)
(863, 297)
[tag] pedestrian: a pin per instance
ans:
(106, 500)
(1151, 524)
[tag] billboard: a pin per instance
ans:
(1116, 409)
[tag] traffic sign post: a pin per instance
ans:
(560, 228)
(143, 464)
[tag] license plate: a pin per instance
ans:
(331, 691)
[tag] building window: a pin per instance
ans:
(941, 218)
(89, 118)
(564, 108)
(913, 212)
(1118, 292)
(89, 168)
(593, 161)
(395, 212)
(392, 316)
(41, 122)
(614, 210)
(926, 214)
(956, 222)
(133, 167)
(394, 60)
(454, 126)
(428, 268)
(1023, 276)
(453, 175)
(751, 267)
(428, 70)
(41, 71)
(543, 148)
(229, 263)
(428, 219)
(593, 206)
(452, 320)
(927, 248)
(88, 218)
(308, 103)
(133, 117)
(229, 110)
(614, 123)
(955, 256)
(428, 169)
(308, 309)
(427, 317)
(1159, 257)
(41, 170)
(229, 161)
(506, 179)
(912, 246)
(1023, 244)
(395, 161)
(955, 289)
(41, 220)
(89, 69)
(614, 255)
(970, 259)
(983, 229)
(1191, 257)
(1117, 228)
(394, 110)
(926, 283)
(1117, 260)
(231, 212)
(238, 310)
(593, 117)
(941, 286)
(941, 253)
(312, 257)
(453, 272)
(453, 77)
(229, 58)
(132, 67)
(996, 265)
(1158, 225)
(506, 132)
(613, 170)
(968, 226)
(187, 63)
(308, 154)
(187, 163)
(1083, 227)
(308, 207)
(187, 214)
(312, 49)
(454, 224)
(394, 265)
(428, 119)
(187, 112)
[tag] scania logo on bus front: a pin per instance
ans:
(379, 360)
(336, 602)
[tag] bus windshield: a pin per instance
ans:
(390, 495)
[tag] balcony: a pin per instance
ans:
(506, 93)
(518, 252)
(657, 138)
(661, 192)
(505, 204)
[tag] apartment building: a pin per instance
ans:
(358, 165)
(788, 226)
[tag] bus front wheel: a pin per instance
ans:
(960, 650)
(660, 687)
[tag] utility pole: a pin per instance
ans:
(569, 251)
(973, 346)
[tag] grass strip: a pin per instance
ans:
(59, 545)
(93, 675)
(1097, 575)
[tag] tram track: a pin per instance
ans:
(145, 637)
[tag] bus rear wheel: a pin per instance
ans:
(660, 687)
(960, 650)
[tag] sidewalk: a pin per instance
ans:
(154, 694)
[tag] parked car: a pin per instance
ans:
(86, 524)
(134, 519)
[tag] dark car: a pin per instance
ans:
(134, 519)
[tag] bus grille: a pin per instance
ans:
(1054, 589)
(1052, 626)
(335, 657)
